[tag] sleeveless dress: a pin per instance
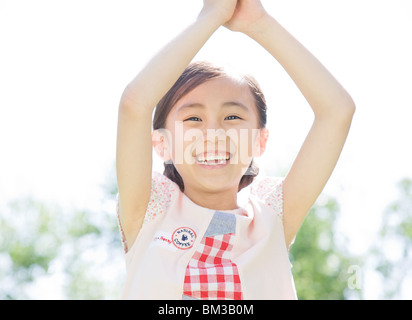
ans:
(185, 251)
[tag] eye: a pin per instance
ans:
(193, 119)
(233, 117)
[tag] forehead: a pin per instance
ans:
(218, 92)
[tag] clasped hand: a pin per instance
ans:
(237, 15)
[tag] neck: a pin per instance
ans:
(222, 200)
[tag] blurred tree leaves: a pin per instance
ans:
(320, 258)
(41, 244)
(29, 237)
(392, 253)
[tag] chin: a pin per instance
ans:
(213, 179)
(219, 183)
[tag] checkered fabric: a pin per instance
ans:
(210, 273)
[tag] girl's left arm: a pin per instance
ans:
(332, 106)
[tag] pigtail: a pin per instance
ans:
(171, 173)
(249, 176)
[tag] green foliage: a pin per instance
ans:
(320, 262)
(392, 254)
(28, 238)
(40, 242)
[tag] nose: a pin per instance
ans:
(215, 135)
(216, 140)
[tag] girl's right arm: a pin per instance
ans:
(134, 140)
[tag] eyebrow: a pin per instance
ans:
(224, 105)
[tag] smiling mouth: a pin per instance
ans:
(213, 159)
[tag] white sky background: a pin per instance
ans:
(64, 64)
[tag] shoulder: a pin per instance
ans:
(270, 191)
(162, 183)
(161, 193)
(160, 196)
(162, 190)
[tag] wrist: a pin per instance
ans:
(214, 17)
(260, 26)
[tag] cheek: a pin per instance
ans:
(183, 144)
(244, 144)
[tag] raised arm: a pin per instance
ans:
(134, 141)
(332, 106)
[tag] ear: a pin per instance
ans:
(160, 145)
(260, 142)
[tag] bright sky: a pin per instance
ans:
(64, 64)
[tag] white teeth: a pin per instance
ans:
(221, 158)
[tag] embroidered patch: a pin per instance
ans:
(184, 238)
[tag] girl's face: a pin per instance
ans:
(212, 135)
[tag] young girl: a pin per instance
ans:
(184, 233)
